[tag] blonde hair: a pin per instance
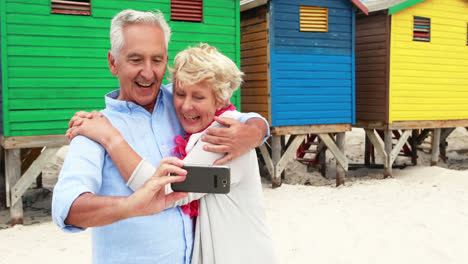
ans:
(205, 64)
(130, 17)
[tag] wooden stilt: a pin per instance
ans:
(397, 148)
(323, 158)
(337, 153)
(276, 156)
(31, 173)
(13, 174)
(279, 157)
(367, 151)
(435, 147)
(377, 143)
(2, 180)
(444, 133)
(284, 146)
(286, 157)
(388, 151)
(340, 170)
(290, 141)
(283, 141)
(422, 136)
(28, 156)
(267, 158)
(39, 181)
(414, 147)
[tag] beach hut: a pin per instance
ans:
(411, 74)
(54, 63)
(298, 57)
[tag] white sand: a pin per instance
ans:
(418, 216)
(43, 243)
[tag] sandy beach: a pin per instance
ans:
(418, 216)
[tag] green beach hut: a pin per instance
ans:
(54, 63)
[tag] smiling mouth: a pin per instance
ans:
(194, 118)
(144, 85)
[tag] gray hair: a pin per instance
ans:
(129, 17)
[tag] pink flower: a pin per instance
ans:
(191, 208)
(181, 142)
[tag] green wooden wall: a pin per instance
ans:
(54, 65)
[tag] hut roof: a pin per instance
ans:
(393, 6)
(249, 4)
(377, 5)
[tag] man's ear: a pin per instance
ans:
(112, 64)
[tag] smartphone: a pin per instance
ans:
(204, 179)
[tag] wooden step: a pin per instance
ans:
(305, 160)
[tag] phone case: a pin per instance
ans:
(205, 179)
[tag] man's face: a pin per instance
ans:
(141, 65)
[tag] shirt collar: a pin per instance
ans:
(114, 104)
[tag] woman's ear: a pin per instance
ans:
(220, 105)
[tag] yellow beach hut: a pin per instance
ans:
(411, 73)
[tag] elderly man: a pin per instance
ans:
(90, 191)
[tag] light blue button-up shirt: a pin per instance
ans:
(166, 237)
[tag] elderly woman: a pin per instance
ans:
(230, 228)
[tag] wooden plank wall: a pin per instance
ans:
(220, 28)
(372, 53)
(311, 72)
(3, 60)
(57, 64)
(1, 85)
(254, 92)
(429, 80)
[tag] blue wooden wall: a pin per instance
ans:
(312, 73)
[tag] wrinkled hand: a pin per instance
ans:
(80, 115)
(235, 139)
(92, 125)
(151, 198)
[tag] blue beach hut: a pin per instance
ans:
(298, 57)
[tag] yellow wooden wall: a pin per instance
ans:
(429, 80)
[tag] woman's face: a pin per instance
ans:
(195, 106)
